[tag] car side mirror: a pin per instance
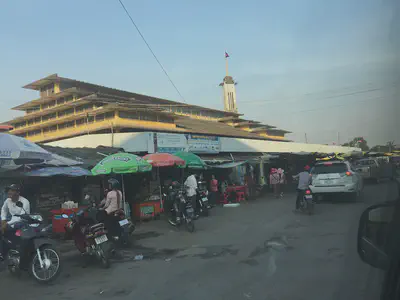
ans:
(19, 204)
(373, 233)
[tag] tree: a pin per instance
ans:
(358, 142)
(391, 145)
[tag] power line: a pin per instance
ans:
(337, 105)
(296, 99)
(152, 52)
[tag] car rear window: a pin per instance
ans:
(330, 168)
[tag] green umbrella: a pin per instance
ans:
(121, 163)
(192, 160)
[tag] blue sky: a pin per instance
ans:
(310, 66)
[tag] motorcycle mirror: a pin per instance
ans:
(19, 204)
(372, 231)
(64, 216)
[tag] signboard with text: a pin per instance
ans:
(203, 144)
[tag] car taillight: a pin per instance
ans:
(18, 232)
(308, 192)
(348, 173)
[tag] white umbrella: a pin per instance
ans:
(14, 147)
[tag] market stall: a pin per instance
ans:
(234, 188)
(122, 164)
(166, 162)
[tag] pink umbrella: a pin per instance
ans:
(164, 160)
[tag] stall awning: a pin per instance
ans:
(59, 171)
(231, 157)
(230, 165)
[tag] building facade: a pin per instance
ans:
(69, 108)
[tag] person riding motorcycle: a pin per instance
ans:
(304, 183)
(113, 202)
(191, 190)
(173, 203)
(10, 208)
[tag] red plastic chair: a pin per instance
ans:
(240, 196)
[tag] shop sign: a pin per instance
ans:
(203, 144)
(169, 142)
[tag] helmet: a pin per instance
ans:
(114, 183)
(13, 187)
(307, 168)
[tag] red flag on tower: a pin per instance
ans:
(226, 54)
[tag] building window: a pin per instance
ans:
(33, 109)
(165, 119)
(34, 132)
(50, 129)
(100, 117)
(47, 90)
(66, 125)
(85, 107)
(80, 122)
(49, 117)
(66, 112)
(110, 115)
(129, 115)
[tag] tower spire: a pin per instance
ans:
(229, 90)
(226, 63)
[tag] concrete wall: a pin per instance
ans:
(140, 142)
(244, 145)
(131, 141)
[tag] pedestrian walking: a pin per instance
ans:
(274, 181)
(213, 191)
(282, 181)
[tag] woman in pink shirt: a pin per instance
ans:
(213, 190)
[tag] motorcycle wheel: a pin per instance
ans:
(13, 268)
(52, 264)
(190, 226)
(104, 257)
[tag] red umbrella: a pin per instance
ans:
(164, 160)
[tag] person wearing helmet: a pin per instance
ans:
(114, 197)
(304, 179)
(10, 209)
(113, 202)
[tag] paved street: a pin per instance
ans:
(261, 250)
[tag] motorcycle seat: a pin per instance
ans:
(97, 227)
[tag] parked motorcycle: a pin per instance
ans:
(90, 237)
(126, 228)
(307, 202)
(202, 202)
(184, 214)
(30, 249)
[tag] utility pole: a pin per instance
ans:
(305, 137)
(338, 138)
(112, 134)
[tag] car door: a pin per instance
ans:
(360, 182)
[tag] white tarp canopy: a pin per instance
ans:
(15, 147)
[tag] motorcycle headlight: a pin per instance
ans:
(37, 218)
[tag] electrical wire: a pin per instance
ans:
(296, 99)
(152, 52)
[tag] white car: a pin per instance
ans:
(336, 177)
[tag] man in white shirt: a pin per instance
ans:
(304, 183)
(10, 208)
(191, 189)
